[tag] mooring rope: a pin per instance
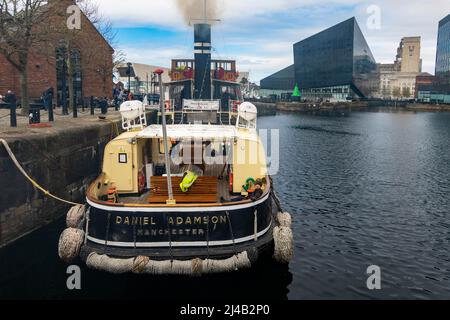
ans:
(207, 239)
(107, 229)
(231, 232)
(274, 196)
(88, 214)
(34, 183)
(256, 224)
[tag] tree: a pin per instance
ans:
(41, 27)
(20, 30)
(74, 39)
(106, 29)
(406, 92)
(396, 92)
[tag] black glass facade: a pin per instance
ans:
(281, 80)
(338, 57)
(443, 56)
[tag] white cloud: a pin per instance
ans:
(165, 12)
(260, 29)
(406, 18)
(159, 56)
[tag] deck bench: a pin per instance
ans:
(204, 190)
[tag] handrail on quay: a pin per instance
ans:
(13, 112)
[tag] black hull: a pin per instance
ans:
(180, 233)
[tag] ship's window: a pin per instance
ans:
(123, 158)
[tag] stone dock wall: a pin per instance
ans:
(62, 161)
(266, 108)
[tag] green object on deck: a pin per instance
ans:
(188, 180)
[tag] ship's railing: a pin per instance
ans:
(227, 112)
(178, 75)
(188, 74)
(225, 75)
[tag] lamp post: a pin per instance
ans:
(63, 49)
(129, 76)
(171, 200)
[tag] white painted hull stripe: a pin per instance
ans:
(202, 44)
(202, 51)
(179, 209)
(177, 244)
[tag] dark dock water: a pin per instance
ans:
(369, 189)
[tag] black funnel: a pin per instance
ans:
(202, 51)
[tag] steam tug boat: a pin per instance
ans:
(189, 196)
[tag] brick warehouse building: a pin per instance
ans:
(91, 58)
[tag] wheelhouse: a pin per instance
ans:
(134, 168)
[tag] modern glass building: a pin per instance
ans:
(280, 83)
(439, 90)
(336, 64)
(443, 56)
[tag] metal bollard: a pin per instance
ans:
(92, 106)
(51, 117)
(13, 114)
(104, 106)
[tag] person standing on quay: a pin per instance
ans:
(48, 99)
(130, 96)
(10, 97)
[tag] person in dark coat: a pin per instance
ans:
(48, 98)
(10, 97)
(258, 192)
(253, 196)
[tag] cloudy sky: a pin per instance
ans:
(259, 34)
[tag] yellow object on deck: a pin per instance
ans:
(188, 180)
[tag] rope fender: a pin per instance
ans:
(70, 243)
(76, 216)
(283, 238)
(282, 234)
(143, 265)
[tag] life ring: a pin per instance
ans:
(141, 182)
(236, 106)
(230, 178)
(167, 105)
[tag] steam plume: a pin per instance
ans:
(194, 10)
